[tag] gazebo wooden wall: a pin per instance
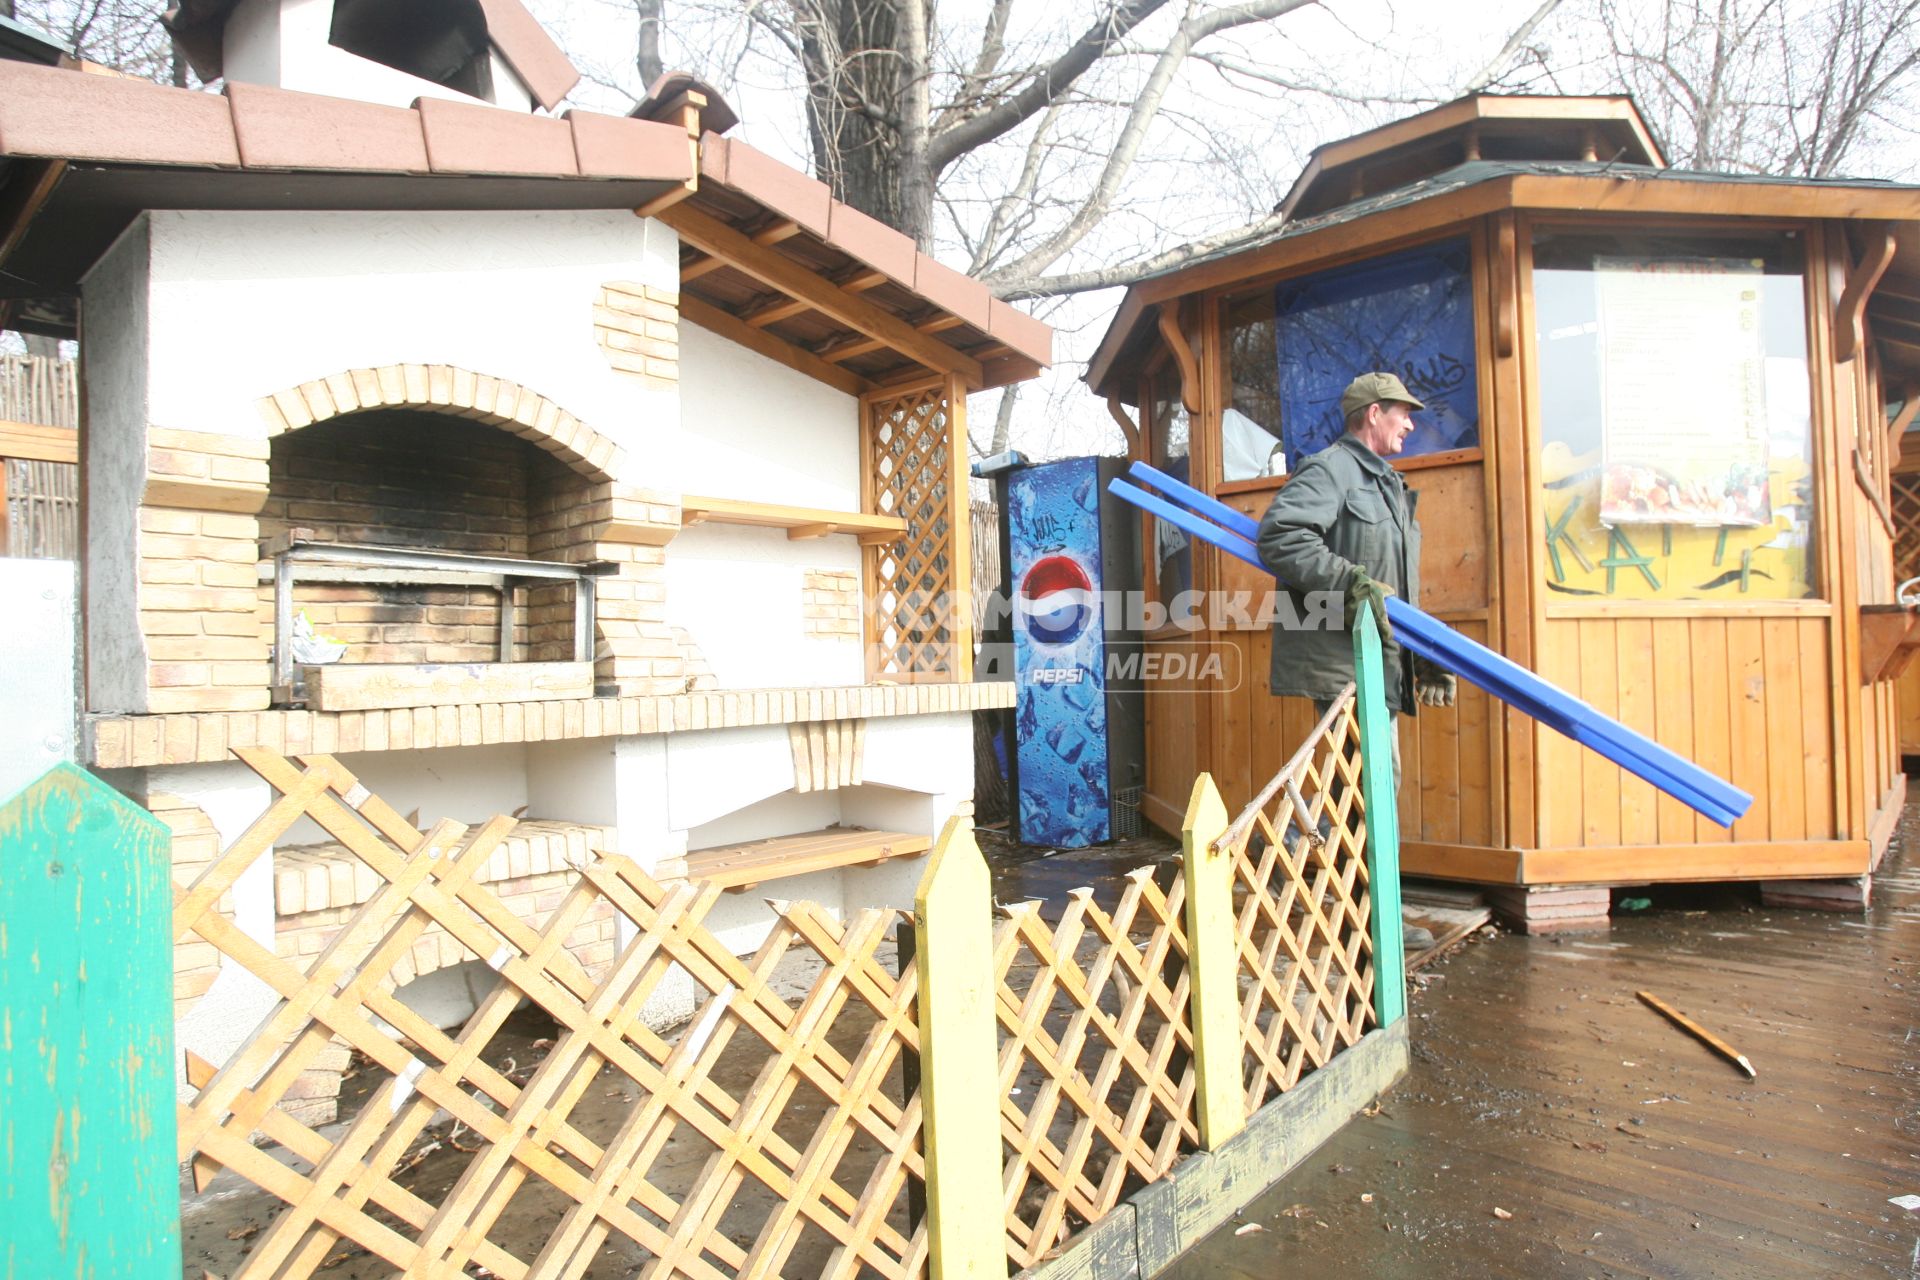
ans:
(1766, 693)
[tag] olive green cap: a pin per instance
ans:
(1370, 388)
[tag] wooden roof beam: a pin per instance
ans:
(774, 312)
(700, 267)
(847, 349)
(774, 233)
(776, 271)
(697, 310)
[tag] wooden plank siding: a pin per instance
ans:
(1732, 693)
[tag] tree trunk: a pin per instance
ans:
(853, 58)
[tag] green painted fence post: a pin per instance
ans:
(1377, 792)
(89, 1179)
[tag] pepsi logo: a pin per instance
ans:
(1056, 600)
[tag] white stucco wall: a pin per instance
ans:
(232, 796)
(113, 368)
(37, 679)
(738, 591)
(284, 43)
(246, 304)
(765, 433)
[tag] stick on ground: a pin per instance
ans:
(1705, 1036)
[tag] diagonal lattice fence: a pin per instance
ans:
(801, 1165)
(780, 1130)
(1096, 1056)
(1303, 911)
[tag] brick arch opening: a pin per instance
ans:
(439, 388)
(436, 459)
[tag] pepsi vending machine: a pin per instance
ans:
(1079, 740)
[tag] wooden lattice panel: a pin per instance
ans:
(1096, 1057)
(910, 581)
(1906, 526)
(1300, 895)
(798, 1164)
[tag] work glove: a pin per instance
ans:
(1364, 590)
(1433, 685)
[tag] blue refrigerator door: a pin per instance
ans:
(1059, 647)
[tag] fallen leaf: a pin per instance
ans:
(1297, 1211)
(1248, 1229)
(1371, 1109)
(1501, 1214)
(243, 1233)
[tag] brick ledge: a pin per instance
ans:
(123, 742)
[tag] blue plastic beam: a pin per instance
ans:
(1500, 676)
(1203, 517)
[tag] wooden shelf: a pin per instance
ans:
(739, 867)
(799, 522)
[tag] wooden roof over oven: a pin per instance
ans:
(769, 258)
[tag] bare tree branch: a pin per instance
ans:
(1133, 272)
(1485, 76)
(1133, 134)
(1042, 87)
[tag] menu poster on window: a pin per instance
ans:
(1683, 392)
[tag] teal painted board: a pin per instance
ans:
(1377, 791)
(89, 1182)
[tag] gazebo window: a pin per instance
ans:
(1676, 442)
(1170, 437)
(1294, 349)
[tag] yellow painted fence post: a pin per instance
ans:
(959, 1061)
(1213, 963)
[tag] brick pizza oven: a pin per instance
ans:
(596, 470)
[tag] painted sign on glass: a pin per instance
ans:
(1683, 392)
(1409, 314)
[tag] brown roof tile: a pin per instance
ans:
(46, 111)
(872, 241)
(1031, 338)
(786, 191)
(617, 147)
(961, 294)
(479, 139)
(281, 129)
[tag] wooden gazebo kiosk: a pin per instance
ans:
(1665, 410)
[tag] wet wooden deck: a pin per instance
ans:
(1620, 1146)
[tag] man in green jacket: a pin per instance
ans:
(1344, 524)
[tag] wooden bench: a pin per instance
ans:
(739, 867)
